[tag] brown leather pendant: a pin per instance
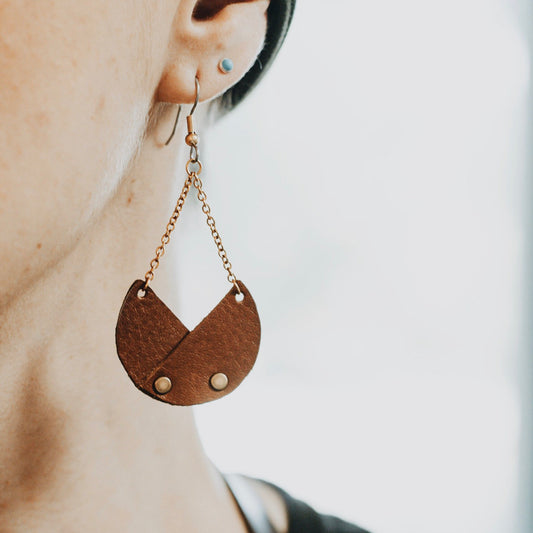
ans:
(174, 365)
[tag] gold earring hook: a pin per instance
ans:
(197, 97)
(193, 109)
(175, 125)
(193, 168)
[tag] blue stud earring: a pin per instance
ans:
(225, 66)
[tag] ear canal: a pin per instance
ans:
(206, 9)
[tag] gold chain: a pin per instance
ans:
(193, 178)
(197, 182)
(154, 263)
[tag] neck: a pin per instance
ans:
(80, 444)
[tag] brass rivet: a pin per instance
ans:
(162, 385)
(219, 381)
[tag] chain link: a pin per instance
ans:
(165, 239)
(197, 182)
(193, 178)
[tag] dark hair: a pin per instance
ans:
(279, 15)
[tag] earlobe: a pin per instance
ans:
(206, 42)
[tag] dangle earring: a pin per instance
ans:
(161, 356)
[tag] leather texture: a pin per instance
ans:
(250, 504)
(152, 343)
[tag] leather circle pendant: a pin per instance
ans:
(174, 365)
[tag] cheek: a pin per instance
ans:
(77, 82)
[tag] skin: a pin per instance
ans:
(86, 188)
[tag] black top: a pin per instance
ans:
(301, 517)
(304, 519)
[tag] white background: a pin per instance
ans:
(370, 193)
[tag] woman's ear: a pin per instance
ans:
(203, 34)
